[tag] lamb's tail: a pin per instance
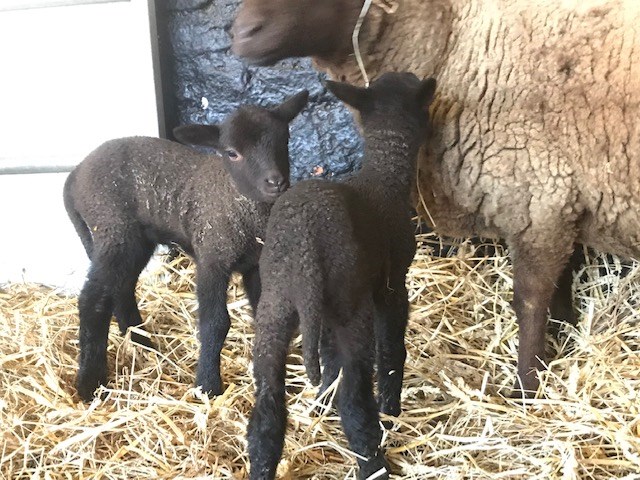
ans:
(311, 306)
(311, 327)
(78, 222)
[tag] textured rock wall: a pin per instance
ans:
(209, 82)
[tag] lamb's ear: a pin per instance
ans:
(292, 106)
(357, 97)
(426, 92)
(204, 135)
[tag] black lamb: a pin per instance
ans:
(131, 194)
(336, 257)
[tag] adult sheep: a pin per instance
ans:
(536, 133)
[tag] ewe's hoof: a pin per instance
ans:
(524, 390)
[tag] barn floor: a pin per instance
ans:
(456, 423)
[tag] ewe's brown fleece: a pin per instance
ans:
(537, 120)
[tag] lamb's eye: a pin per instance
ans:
(232, 154)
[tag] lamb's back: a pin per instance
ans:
(162, 184)
(327, 232)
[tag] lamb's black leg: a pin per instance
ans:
(392, 315)
(253, 287)
(128, 315)
(212, 283)
(126, 307)
(356, 403)
(265, 434)
(95, 305)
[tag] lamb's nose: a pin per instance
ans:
(276, 182)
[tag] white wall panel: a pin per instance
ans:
(72, 77)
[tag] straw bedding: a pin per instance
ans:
(456, 422)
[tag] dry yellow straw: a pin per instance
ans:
(455, 424)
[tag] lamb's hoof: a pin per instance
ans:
(376, 467)
(387, 424)
(323, 406)
(212, 391)
(142, 340)
(212, 387)
(325, 403)
(391, 408)
(261, 474)
(88, 381)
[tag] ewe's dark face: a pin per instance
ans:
(254, 146)
(266, 31)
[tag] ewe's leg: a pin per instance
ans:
(252, 286)
(212, 283)
(392, 314)
(126, 307)
(275, 323)
(356, 403)
(535, 274)
(562, 301)
(95, 305)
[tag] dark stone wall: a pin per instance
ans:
(199, 65)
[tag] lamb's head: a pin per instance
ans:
(266, 31)
(254, 144)
(395, 98)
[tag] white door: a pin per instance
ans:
(73, 73)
